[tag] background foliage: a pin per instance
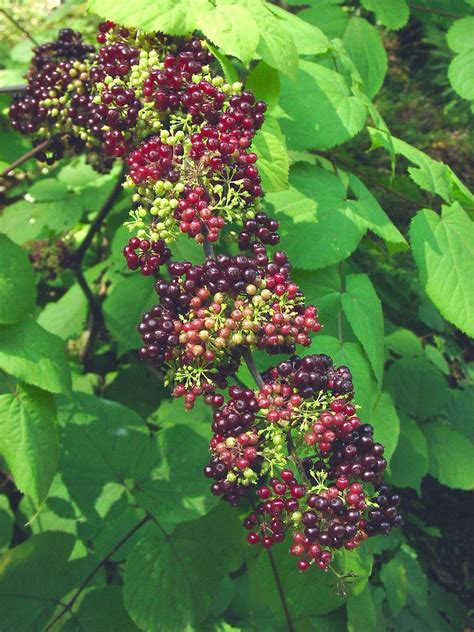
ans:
(106, 522)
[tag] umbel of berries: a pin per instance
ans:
(294, 449)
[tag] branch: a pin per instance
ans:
(249, 361)
(19, 26)
(13, 89)
(25, 157)
(281, 592)
(417, 7)
(101, 215)
(72, 601)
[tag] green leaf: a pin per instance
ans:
(392, 13)
(459, 34)
(330, 18)
(450, 456)
(363, 310)
(123, 308)
(17, 283)
(317, 226)
(304, 599)
(231, 27)
(436, 357)
(371, 216)
(174, 17)
(363, 43)
(417, 579)
(459, 411)
(361, 613)
(403, 342)
(264, 82)
(322, 288)
(101, 609)
(177, 491)
(322, 99)
(409, 463)
(23, 221)
(273, 164)
(461, 74)
(308, 39)
(430, 175)
(29, 439)
(417, 386)
(352, 355)
(230, 73)
(444, 251)
(48, 190)
(118, 448)
(276, 46)
(181, 564)
(35, 356)
(386, 424)
(66, 317)
(394, 578)
(34, 576)
(7, 520)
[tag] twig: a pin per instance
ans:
(12, 89)
(294, 457)
(281, 592)
(85, 582)
(101, 215)
(19, 26)
(249, 361)
(25, 157)
(208, 248)
(417, 7)
(96, 317)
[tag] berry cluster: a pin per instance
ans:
(295, 446)
(213, 309)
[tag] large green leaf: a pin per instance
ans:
(352, 355)
(459, 411)
(34, 576)
(35, 356)
(409, 463)
(328, 17)
(170, 579)
(459, 34)
(361, 613)
(264, 82)
(129, 298)
(322, 99)
(323, 288)
(7, 520)
(429, 174)
(230, 26)
(370, 215)
(394, 577)
(363, 43)
(386, 424)
(29, 439)
(174, 17)
(317, 226)
(450, 455)
(276, 46)
(17, 283)
(101, 609)
(417, 386)
(26, 220)
(363, 310)
(461, 74)
(443, 247)
(177, 491)
(120, 452)
(392, 13)
(304, 599)
(273, 164)
(308, 39)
